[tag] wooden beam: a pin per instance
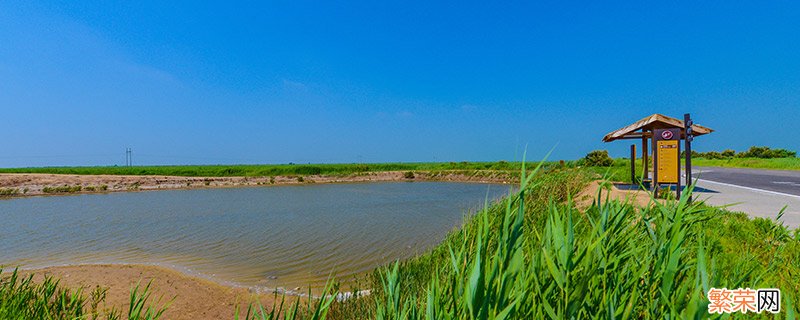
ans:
(637, 135)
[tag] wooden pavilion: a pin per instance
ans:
(643, 129)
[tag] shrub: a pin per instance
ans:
(408, 175)
(753, 152)
(598, 158)
(766, 153)
(728, 153)
(62, 189)
(712, 155)
(8, 191)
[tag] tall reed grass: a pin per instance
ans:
(534, 256)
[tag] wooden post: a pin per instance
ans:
(687, 129)
(633, 164)
(645, 158)
(655, 165)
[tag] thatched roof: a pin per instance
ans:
(656, 121)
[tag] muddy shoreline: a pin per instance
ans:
(35, 184)
(189, 297)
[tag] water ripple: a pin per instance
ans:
(274, 236)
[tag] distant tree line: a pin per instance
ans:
(753, 152)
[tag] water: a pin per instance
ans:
(270, 237)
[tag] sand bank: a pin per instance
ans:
(30, 184)
(194, 298)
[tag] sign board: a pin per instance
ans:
(668, 155)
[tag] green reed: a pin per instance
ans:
(613, 260)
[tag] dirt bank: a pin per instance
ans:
(194, 298)
(613, 192)
(30, 184)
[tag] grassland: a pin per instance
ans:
(620, 169)
(754, 163)
(269, 170)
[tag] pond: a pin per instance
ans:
(270, 237)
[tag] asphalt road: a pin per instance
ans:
(759, 193)
(782, 181)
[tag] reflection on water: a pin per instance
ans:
(273, 236)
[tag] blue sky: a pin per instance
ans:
(297, 81)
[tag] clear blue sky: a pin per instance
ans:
(296, 81)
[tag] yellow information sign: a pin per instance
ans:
(668, 161)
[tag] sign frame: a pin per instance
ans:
(659, 136)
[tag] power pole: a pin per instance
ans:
(128, 158)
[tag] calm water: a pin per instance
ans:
(269, 237)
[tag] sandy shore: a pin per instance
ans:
(194, 298)
(30, 184)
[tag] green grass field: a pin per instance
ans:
(754, 163)
(620, 169)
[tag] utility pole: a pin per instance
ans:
(128, 158)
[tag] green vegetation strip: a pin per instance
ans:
(8, 192)
(753, 163)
